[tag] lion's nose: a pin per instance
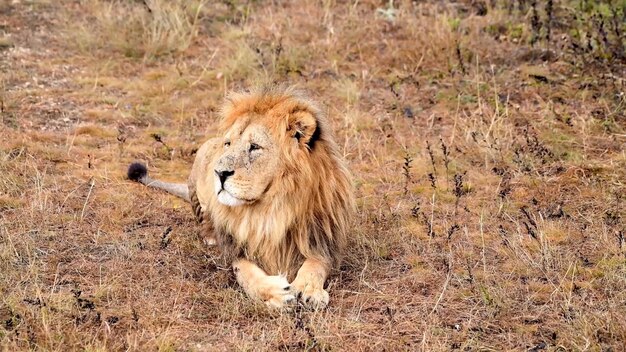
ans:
(223, 175)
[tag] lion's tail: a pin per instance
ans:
(139, 172)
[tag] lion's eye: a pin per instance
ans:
(226, 144)
(254, 147)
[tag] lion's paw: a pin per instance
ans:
(276, 292)
(312, 298)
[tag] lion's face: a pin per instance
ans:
(248, 163)
(264, 143)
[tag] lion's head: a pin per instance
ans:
(279, 190)
(266, 138)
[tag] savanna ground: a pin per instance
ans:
(486, 141)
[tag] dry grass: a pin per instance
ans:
(490, 177)
(149, 28)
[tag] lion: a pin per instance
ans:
(274, 192)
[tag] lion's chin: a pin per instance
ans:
(228, 200)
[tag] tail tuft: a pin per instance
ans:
(137, 171)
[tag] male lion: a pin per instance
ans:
(275, 193)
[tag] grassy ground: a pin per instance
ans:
(489, 174)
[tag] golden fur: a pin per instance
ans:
(293, 207)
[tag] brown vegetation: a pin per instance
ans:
(486, 139)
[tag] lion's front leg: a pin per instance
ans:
(274, 290)
(309, 283)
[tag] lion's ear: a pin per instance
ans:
(303, 126)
